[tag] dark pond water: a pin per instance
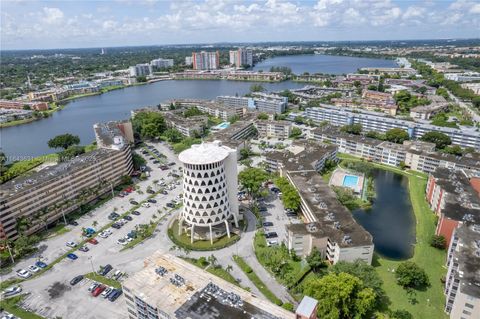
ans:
(390, 220)
(318, 63)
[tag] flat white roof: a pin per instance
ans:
(205, 153)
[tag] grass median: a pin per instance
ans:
(104, 280)
(11, 305)
(256, 280)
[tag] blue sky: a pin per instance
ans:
(29, 24)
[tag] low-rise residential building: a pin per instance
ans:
(425, 112)
(372, 121)
(82, 87)
(462, 286)
(236, 101)
(8, 115)
(255, 76)
(475, 87)
(236, 135)
(188, 126)
(390, 71)
(21, 105)
(417, 155)
(463, 77)
(41, 198)
(277, 129)
(221, 111)
(170, 287)
(453, 199)
(328, 225)
(389, 107)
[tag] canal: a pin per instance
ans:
(390, 220)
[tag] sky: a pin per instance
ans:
(30, 24)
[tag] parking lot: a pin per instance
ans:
(51, 294)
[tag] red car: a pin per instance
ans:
(98, 290)
(93, 241)
(129, 189)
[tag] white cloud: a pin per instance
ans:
(52, 15)
(475, 9)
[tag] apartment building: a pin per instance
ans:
(161, 63)
(50, 194)
(328, 225)
(417, 155)
(236, 135)
(390, 71)
(462, 286)
(206, 60)
(142, 69)
(255, 76)
(371, 121)
(425, 112)
(170, 287)
(453, 199)
(276, 129)
(236, 101)
(387, 107)
(241, 57)
(8, 115)
(20, 105)
(270, 103)
(220, 111)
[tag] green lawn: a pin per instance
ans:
(104, 280)
(430, 303)
(256, 280)
(10, 305)
(184, 241)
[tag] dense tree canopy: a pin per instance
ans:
(352, 129)
(410, 275)
(149, 124)
(441, 140)
(252, 180)
(63, 141)
(397, 135)
(262, 116)
(341, 296)
(290, 196)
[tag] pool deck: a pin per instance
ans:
(339, 175)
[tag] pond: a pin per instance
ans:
(390, 220)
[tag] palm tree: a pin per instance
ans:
(212, 260)
(94, 223)
(229, 268)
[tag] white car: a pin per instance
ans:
(7, 315)
(107, 291)
(12, 291)
(122, 241)
(108, 231)
(146, 205)
(103, 235)
(33, 268)
(272, 243)
(93, 286)
(71, 244)
(23, 273)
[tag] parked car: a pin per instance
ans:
(98, 290)
(114, 295)
(106, 292)
(113, 216)
(103, 235)
(136, 213)
(105, 270)
(133, 202)
(93, 286)
(76, 280)
(122, 241)
(93, 241)
(72, 256)
(164, 192)
(150, 191)
(171, 164)
(267, 224)
(116, 225)
(271, 235)
(151, 200)
(128, 217)
(33, 268)
(117, 275)
(272, 243)
(146, 205)
(22, 273)
(262, 209)
(41, 264)
(71, 244)
(171, 205)
(73, 223)
(12, 291)
(84, 249)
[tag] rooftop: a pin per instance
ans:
(109, 135)
(183, 290)
(468, 254)
(204, 153)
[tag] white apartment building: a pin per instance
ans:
(161, 63)
(143, 69)
(462, 287)
(210, 188)
(241, 57)
(276, 129)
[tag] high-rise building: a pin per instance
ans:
(210, 188)
(188, 60)
(206, 60)
(241, 57)
(142, 69)
(161, 63)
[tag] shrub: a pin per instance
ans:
(410, 275)
(438, 241)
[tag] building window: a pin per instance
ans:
(469, 305)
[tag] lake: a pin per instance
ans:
(318, 63)
(24, 141)
(390, 220)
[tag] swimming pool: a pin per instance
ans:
(223, 125)
(350, 181)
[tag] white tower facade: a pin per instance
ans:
(210, 188)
